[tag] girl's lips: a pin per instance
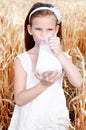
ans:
(44, 42)
(44, 39)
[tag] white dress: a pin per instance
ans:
(48, 111)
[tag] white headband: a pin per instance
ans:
(52, 9)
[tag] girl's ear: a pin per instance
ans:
(29, 29)
(57, 29)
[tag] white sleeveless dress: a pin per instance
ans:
(48, 111)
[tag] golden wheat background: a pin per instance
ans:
(12, 16)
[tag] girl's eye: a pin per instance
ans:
(37, 28)
(50, 29)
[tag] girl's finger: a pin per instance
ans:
(38, 76)
(45, 74)
(55, 76)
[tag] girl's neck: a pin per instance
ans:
(34, 50)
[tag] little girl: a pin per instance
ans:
(38, 93)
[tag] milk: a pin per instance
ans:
(46, 58)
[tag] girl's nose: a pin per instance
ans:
(44, 36)
(44, 33)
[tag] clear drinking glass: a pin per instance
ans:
(46, 58)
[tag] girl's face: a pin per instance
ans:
(42, 27)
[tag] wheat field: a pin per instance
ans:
(12, 16)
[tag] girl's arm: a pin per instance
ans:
(71, 70)
(23, 95)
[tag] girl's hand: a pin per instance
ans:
(48, 77)
(54, 43)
